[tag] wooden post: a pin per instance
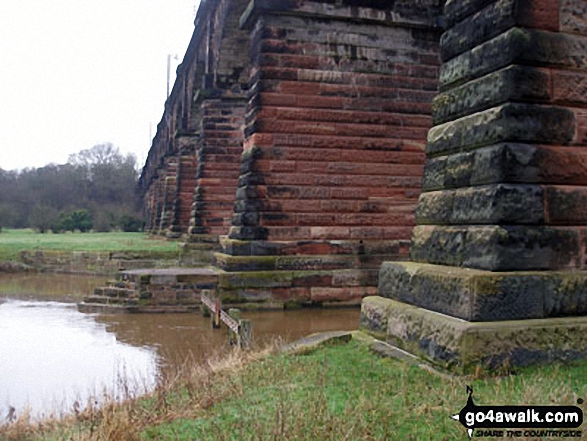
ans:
(216, 313)
(242, 338)
(205, 310)
(232, 336)
(244, 333)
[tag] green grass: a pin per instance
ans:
(12, 242)
(347, 392)
(335, 392)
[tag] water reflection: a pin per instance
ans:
(178, 337)
(46, 286)
(51, 355)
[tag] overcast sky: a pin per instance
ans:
(76, 73)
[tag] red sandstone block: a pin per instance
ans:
(378, 206)
(542, 14)
(298, 179)
(299, 88)
(283, 46)
(220, 166)
(566, 205)
(308, 155)
(382, 157)
(297, 61)
(569, 87)
(314, 192)
(393, 218)
(311, 167)
(222, 158)
(319, 294)
(232, 133)
(349, 193)
(288, 233)
(218, 190)
(229, 177)
(278, 219)
(346, 116)
(278, 99)
(580, 137)
(565, 165)
(312, 280)
(349, 278)
(295, 206)
(391, 233)
(319, 102)
(311, 247)
(228, 197)
(389, 93)
(376, 169)
(282, 192)
(333, 180)
(308, 219)
(329, 233)
(326, 219)
(359, 79)
(212, 182)
(261, 139)
(339, 206)
(346, 129)
(334, 141)
(275, 166)
(299, 293)
(372, 181)
(396, 194)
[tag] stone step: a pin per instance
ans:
(109, 291)
(230, 263)
(121, 284)
(103, 300)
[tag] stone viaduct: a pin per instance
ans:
(293, 142)
(300, 133)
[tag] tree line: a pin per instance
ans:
(95, 190)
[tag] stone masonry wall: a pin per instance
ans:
(218, 160)
(497, 277)
(185, 186)
(340, 103)
(311, 120)
(505, 182)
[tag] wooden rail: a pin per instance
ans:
(241, 329)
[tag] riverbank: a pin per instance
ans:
(85, 253)
(334, 391)
(13, 242)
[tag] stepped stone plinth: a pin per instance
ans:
(153, 290)
(333, 150)
(498, 276)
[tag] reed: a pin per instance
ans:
(331, 393)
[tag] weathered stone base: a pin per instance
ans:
(477, 295)
(153, 290)
(102, 262)
(463, 346)
(295, 273)
(291, 289)
(200, 248)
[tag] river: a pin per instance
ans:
(52, 356)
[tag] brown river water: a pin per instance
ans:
(51, 355)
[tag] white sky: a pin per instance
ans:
(76, 73)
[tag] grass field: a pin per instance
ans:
(336, 392)
(12, 242)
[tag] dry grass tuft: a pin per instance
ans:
(184, 392)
